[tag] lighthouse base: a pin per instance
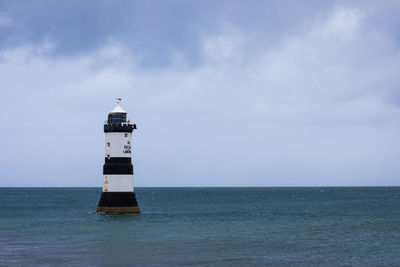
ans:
(118, 202)
(118, 209)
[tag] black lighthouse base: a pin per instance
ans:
(118, 202)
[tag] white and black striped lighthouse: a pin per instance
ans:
(118, 195)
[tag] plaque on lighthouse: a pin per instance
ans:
(118, 194)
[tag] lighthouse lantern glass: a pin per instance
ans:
(116, 118)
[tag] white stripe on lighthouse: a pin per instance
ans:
(118, 145)
(118, 183)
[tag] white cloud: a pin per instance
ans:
(343, 22)
(224, 48)
(5, 21)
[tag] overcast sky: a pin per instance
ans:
(224, 93)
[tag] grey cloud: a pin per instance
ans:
(152, 29)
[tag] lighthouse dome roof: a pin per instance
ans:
(118, 109)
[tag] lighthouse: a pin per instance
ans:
(118, 195)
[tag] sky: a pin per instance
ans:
(224, 93)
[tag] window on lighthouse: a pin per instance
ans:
(108, 144)
(126, 135)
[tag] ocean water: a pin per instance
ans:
(354, 226)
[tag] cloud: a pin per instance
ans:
(343, 22)
(309, 77)
(314, 107)
(5, 21)
(225, 48)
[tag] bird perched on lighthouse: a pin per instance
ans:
(118, 195)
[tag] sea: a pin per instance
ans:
(260, 226)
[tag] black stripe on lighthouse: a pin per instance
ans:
(117, 166)
(115, 128)
(118, 199)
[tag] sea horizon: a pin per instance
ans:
(294, 186)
